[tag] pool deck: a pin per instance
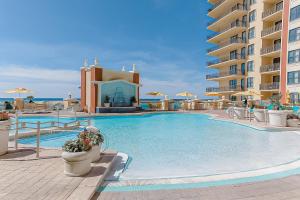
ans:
(22, 176)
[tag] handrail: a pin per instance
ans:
(224, 74)
(224, 89)
(270, 30)
(236, 7)
(227, 43)
(269, 86)
(224, 59)
(234, 24)
(270, 49)
(270, 68)
(273, 10)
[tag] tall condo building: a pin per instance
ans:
(256, 46)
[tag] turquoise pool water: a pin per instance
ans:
(181, 145)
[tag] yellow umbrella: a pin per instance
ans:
(155, 94)
(248, 93)
(185, 94)
(212, 94)
(18, 91)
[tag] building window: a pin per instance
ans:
(295, 98)
(251, 33)
(233, 55)
(293, 77)
(251, 2)
(250, 82)
(233, 84)
(252, 16)
(233, 69)
(250, 66)
(294, 56)
(295, 13)
(294, 35)
(251, 49)
(243, 53)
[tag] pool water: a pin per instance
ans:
(181, 145)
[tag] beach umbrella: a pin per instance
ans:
(212, 94)
(18, 91)
(248, 93)
(155, 94)
(185, 94)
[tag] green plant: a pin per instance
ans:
(275, 102)
(73, 146)
(106, 100)
(92, 137)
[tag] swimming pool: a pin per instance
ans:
(183, 145)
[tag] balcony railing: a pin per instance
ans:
(227, 43)
(216, 5)
(276, 8)
(225, 59)
(224, 89)
(271, 30)
(270, 68)
(238, 6)
(270, 49)
(224, 74)
(231, 26)
(269, 86)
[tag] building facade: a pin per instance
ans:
(252, 47)
(100, 86)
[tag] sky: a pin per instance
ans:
(43, 43)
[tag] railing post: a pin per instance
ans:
(17, 130)
(38, 133)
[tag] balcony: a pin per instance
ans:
(269, 86)
(232, 29)
(273, 14)
(226, 89)
(226, 61)
(224, 74)
(272, 51)
(231, 14)
(273, 68)
(226, 46)
(219, 6)
(273, 32)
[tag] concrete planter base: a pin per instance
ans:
(106, 105)
(278, 117)
(4, 136)
(293, 123)
(94, 153)
(76, 163)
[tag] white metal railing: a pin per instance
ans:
(36, 126)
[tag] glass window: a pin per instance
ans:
(251, 33)
(252, 16)
(251, 2)
(243, 68)
(251, 49)
(232, 84)
(250, 66)
(233, 69)
(295, 13)
(294, 35)
(250, 82)
(294, 56)
(293, 77)
(233, 55)
(243, 53)
(295, 98)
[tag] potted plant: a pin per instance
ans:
(76, 157)
(4, 132)
(106, 102)
(277, 113)
(96, 138)
(134, 102)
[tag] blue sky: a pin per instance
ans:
(43, 43)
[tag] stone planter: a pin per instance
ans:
(94, 153)
(106, 105)
(293, 123)
(260, 115)
(76, 163)
(239, 112)
(278, 117)
(4, 135)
